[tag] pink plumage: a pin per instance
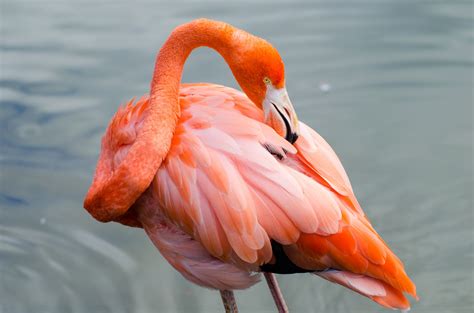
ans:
(220, 197)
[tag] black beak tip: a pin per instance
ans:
(291, 137)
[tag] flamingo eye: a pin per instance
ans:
(267, 80)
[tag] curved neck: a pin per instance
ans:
(172, 56)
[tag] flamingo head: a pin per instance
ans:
(260, 72)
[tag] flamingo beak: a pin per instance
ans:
(280, 114)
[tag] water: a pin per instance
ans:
(387, 83)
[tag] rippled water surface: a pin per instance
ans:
(387, 83)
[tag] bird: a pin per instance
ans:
(229, 184)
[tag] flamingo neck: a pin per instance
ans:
(164, 94)
(172, 56)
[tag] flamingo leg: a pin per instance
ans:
(276, 293)
(229, 301)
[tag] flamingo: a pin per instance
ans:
(229, 184)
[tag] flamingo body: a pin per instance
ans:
(230, 186)
(227, 184)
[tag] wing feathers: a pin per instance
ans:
(221, 185)
(326, 209)
(374, 289)
(218, 179)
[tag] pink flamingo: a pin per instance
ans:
(228, 185)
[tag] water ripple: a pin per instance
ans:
(56, 269)
(43, 88)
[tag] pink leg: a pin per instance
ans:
(229, 301)
(276, 293)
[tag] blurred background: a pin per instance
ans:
(388, 84)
